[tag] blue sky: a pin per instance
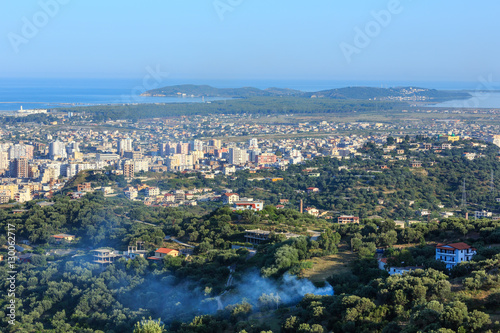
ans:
(255, 39)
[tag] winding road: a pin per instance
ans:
(229, 282)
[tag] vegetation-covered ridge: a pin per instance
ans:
(252, 105)
(208, 91)
(63, 291)
(363, 93)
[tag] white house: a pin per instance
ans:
(482, 214)
(446, 214)
(402, 270)
(248, 204)
(230, 198)
(424, 212)
(152, 191)
(455, 253)
(106, 190)
(131, 194)
(312, 211)
(382, 264)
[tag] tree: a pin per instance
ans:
(149, 326)
(290, 325)
(476, 320)
(454, 315)
(286, 256)
(269, 301)
(388, 238)
(193, 237)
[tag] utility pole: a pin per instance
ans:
(464, 195)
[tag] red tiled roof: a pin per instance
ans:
(384, 260)
(62, 236)
(458, 246)
(164, 250)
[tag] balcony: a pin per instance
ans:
(446, 259)
(445, 252)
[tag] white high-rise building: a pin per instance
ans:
(57, 150)
(237, 156)
(179, 162)
(72, 148)
(54, 170)
(196, 145)
(140, 165)
(4, 160)
(167, 149)
(252, 154)
(21, 151)
(253, 143)
(197, 155)
(124, 145)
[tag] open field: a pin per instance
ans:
(327, 266)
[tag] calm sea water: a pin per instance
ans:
(49, 93)
(479, 100)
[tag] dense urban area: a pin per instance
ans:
(365, 216)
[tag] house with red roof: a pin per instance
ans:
(230, 198)
(312, 189)
(312, 211)
(63, 237)
(168, 197)
(454, 253)
(163, 252)
(248, 204)
(382, 264)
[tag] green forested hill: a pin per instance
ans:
(361, 93)
(208, 91)
(253, 105)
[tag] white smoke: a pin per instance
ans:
(289, 288)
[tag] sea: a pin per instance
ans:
(38, 93)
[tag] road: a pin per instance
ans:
(179, 242)
(229, 283)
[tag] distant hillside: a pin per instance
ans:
(191, 90)
(362, 93)
(399, 93)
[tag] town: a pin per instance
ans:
(235, 166)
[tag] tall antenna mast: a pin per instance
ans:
(492, 182)
(464, 195)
